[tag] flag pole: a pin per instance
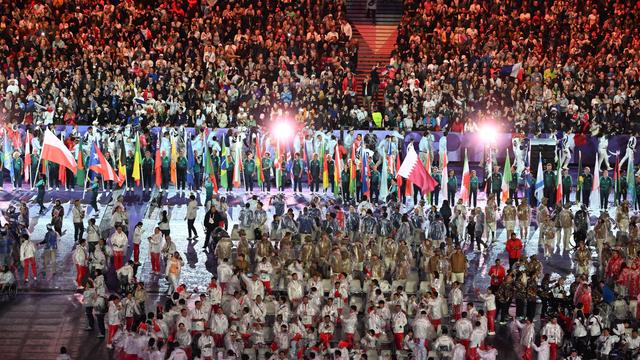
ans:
(134, 156)
(33, 178)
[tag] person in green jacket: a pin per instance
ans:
(147, 171)
(375, 184)
(128, 162)
(230, 170)
(165, 169)
(208, 190)
(18, 167)
(197, 171)
(435, 194)
(345, 178)
(549, 188)
(513, 186)
(316, 174)
(267, 165)
(249, 171)
(40, 185)
(473, 189)
(94, 194)
(181, 171)
(452, 187)
(496, 184)
(605, 188)
(567, 184)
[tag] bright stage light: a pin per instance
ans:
(488, 133)
(282, 130)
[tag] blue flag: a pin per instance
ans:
(8, 158)
(365, 167)
(93, 161)
(190, 163)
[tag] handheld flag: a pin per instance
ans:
(631, 180)
(594, 199)
(506, 179)
(412, 169)
(444, 189)
(224, 166)
(81, 175)
(99, 164)
(559, 181)
(364, 173)
(466, 179)
(158, 164)
(27, 157)
(337, 172)
(190, 163)
(539, 187)
(53, 150)
(122, 168)
(325, 168)
(137, 162)
(174, 162)
(259, 174)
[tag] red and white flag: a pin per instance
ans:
(466, 179)
(54, 150)
(413, 170)
(102, 166)
(27, 157)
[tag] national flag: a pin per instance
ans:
(616, 179)
(53, 150)
(27, 157)
(81, 174)
(209, 171)
(325, 168)
(337, 172)
(384, 187)
(237, 169)
(513, 70)
(506, 178)
(99, 164)
(158, 163)
(364, 173)
(259, 175)
(594, 199)
(427, 166)
(539, 187)
(224, 165)
(580, 178)
(444, 189)
(559, 181)
(305, 158)
(398, 177)
(412, 169)
(277, 164)
(466, 180)
(8, 156)
(174, 162)
(190, 162)
(352, 170)
(137, 162)
(122, 165)
(631, 181)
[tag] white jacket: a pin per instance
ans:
(192, 210)
(463, 329)
(294, 290)
(421, 326)
(78, 215)
(155, 243)
(553, 333)
(399, 320)
(80, 256)
(224, 272)
(219, 323)
(27, 250)
(119, 241)
(543, 350)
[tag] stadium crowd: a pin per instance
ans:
(242, 63)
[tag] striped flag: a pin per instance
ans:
(506, 179)
(594, 199)
(539, 187)
(466, 179)
(559, 181)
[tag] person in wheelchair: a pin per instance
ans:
(7, 280)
